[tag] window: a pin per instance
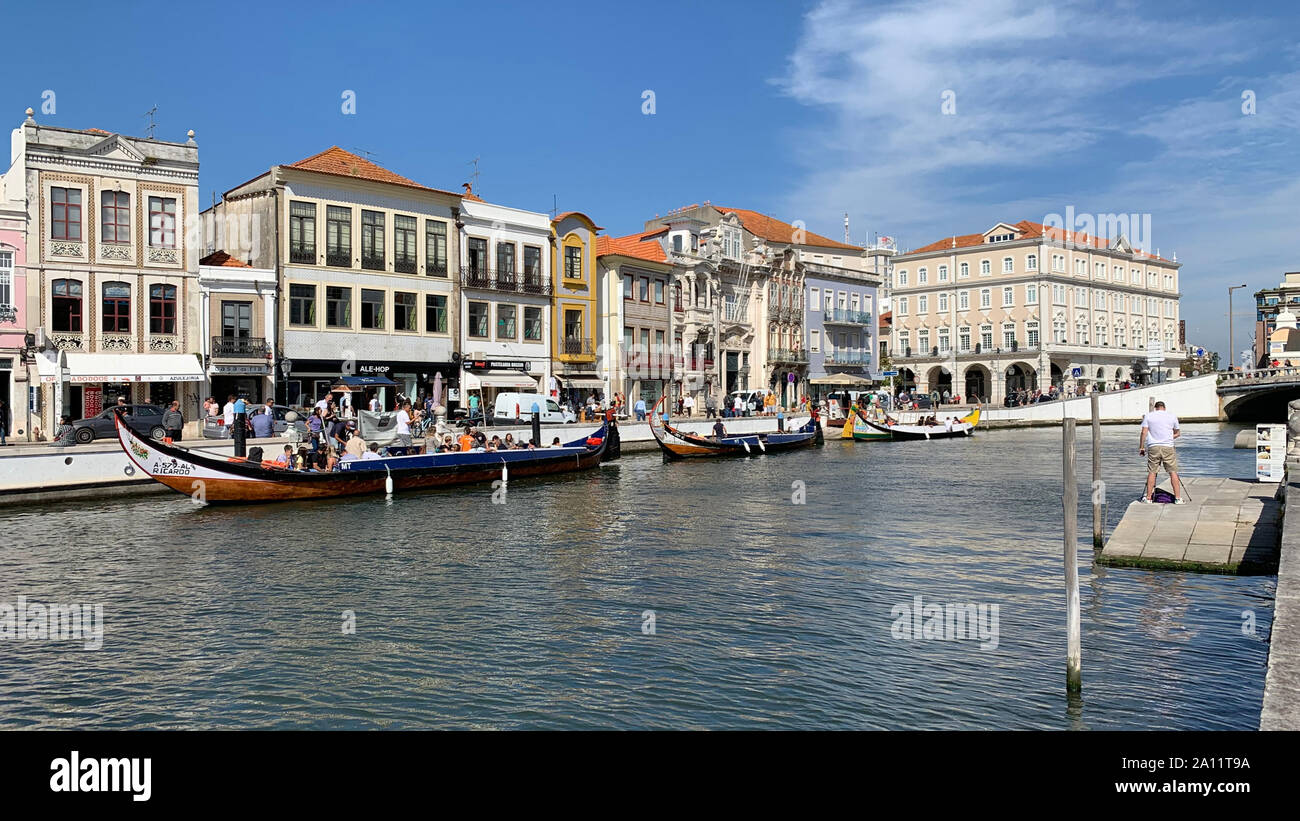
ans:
(645, 289)
(532, 324)
(986, 337)
(338, 236)
(573, 326)
(1031, 262)
(1135, 276)
(506, 322)
(677, 243)
(6, 277)
(115, 217)
(1121, 336)
(435, 248)
(923, 341)
(830, 301)
(573, 262)
(922, 304)
(117, 308)
(1031, 334)
(1008, 334)
(302, 304)
(1008, 265)
(1031, 294)
(1058, 294)
(963, 339)
(372, 309)
(964, 270)
(478, 319)
(1169, 308)
(236, 320)
(677, 296)
(1099, 270)
(922, 276)
(302, 232)
(731, 242)
(404, 245)
(1081, 331)
(65, 214)
(162, 309)
(162, 222)
(944, 346)
(627, 287)
(404, 314)
(1008, 297)
(963, 300)
(372, 241)
(943, 303)
(902, 277)
(943, 273)
(532, 265)
(904, 343)
(1102, 338)
(902, 306)
(505, 261)
(814, 299)
(986, 298)
(1080, 266)
(1099, 299)
(659, 292)
(476, 251)
(338, 307)
(985, 267)
(1058, 262)
(814, 340)
(435, 314)
(1002, 237)
(1058, 330)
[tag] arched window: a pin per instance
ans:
(964, 271)
(66, 305)
(117, 308)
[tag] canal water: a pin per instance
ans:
(640, 595)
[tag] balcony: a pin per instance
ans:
(339, 259)
(404, 266)
(372, 263)
(839, 316)
(302, 254)
(848, 357)
(487, 279)
(577, 348)
(785, 356)
(249, 347)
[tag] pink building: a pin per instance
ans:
(13, 313)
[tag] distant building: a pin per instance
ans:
(1269, 302)
(238, 312)
(640, 342)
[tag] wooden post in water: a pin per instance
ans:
(1070, 501)
(1096, 473)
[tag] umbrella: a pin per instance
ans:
(437, 389)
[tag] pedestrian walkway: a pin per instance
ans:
(1227, 526)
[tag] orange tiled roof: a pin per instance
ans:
(774, 230)
(339, 163)
(1029, 230)
(636, 246)
(98, 131)
(223, 260)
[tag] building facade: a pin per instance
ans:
(505, 299)
(15, 350)
(639, 342)
(1026, 306)
(111, 269)
(841, 316)
(238, 309)
(363, 261)
(1269, 302)
(574, 321)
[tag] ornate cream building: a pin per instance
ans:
(1025, 305)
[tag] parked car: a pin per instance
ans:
(142, 417)
(214, 426)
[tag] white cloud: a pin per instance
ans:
(1054, 108)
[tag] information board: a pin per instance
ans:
(1270, 452)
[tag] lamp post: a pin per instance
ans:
(1232, 350)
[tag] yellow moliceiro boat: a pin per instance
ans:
(856, 428)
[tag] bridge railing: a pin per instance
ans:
(1259, 376)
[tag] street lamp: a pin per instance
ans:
(1232, 350)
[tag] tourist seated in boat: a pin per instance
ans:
(494, 445)
(372, 452)
(509, 442)
(555, 443)
(286, 458)
(718, 430)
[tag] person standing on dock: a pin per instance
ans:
(1159, 430)
(173, 421)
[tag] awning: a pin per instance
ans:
(89, 368)
(507, 380)
(47, 369)
(583, 383)
(840, 379)
(366, 382)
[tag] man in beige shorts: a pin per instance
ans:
(1159, 430)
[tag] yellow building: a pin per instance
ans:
(573, 323)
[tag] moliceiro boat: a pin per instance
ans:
(217, 479)
(857, 427)
(934, 430)
(678, 444)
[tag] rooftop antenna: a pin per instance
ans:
(474, 162)
(554, 206)
(370, 155)
(152, 124)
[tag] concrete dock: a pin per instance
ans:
(1281, 706)
(1227, 526)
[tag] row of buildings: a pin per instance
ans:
(113, 283)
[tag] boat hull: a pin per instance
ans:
(675, 444)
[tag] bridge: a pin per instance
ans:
(1259, 395)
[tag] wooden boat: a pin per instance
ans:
(216, 479)
(857, 429)
(894, 430)
(678, 444)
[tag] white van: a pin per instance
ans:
(519, 406)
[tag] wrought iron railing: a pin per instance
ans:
(404, 266)
(302, 255)
(339, 259)
(487, 279)
(249, 346)
(577, 347)
(783, 355)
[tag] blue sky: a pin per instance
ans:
(804, 110)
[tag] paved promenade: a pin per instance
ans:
(1227, 526)
(1281, 708)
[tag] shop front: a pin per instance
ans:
(310, 379)
(251, 382)
(486, 378)
(83, 384)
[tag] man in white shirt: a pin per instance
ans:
(1159, 430)
(228, 413)
(374, 403)
(324, 403)
(404, 426)
(688, 405)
